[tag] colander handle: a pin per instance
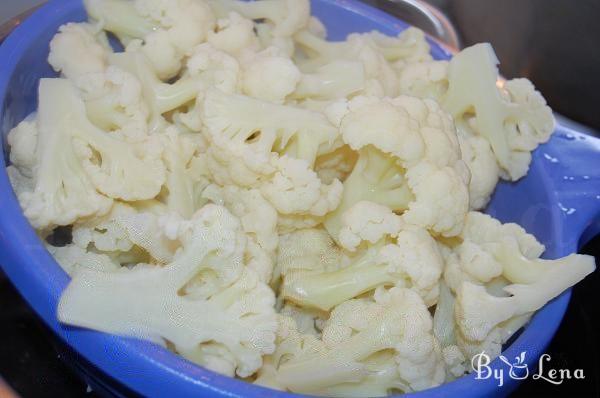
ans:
(575, 170)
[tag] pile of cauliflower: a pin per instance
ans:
(299, 213)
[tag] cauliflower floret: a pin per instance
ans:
(84, 40)
(160, 97)
(409, 157)
(335, 80)
(270, 76)
(336, 165)
(479, 158)
(408, 47)
(296, 189)
(128, 234)
(268, 127)
(368, 222)
(287, 16)
(259, 222)
(514, 117)
(306, 250)
(535, 282)
(238, 312)
(412, 261)
(473, 258)
(61, 191)
(234, 35)
(165, 31)
(427, 79)
(381, 79)
(113, 101)
(72, 258)
(22, 141)
(187, 172)
(369, 348)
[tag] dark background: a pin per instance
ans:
(556, 43)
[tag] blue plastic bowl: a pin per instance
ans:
(559, 202)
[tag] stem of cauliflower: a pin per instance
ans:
(519, 269)
(375, 178)
(343, 364)
(296, 132)
(162, 97)
(326, 290)
(119, 17)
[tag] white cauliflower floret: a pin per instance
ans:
(72, 258)
(408, 47)
(412, 261)
(535, 282)
(125, 231)
(84, 40)
(409, 158)
(514, 117)
(234, 35)
(369, 348)
(61, 191)
(381, 79)
(187, 172)
(336, 165)
(473, 258)
(270, 76)
(427, 79)
(296, 189)
(485, 172)
(114, 102)
(238, 314)
(369, 222)
(306, 250)
(335, 80)
(22, 141)
(160, 97)
(259, 222)
(165, 31)
(268, 127)
(287, 16)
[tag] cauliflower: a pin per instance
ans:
(369, 222)
(306, 250)
(163, 30)
(187, 172)
(269, 76)
(84, 40)
(370, 347)
(160, 97)
(287, 130)
(514, 117)
(287, 16)
(485, 172)
(234, 35)
(259, 222)
(238, 313)
(22, 141)
(114, 102)
(59, 190)
(408, 47)
(381, 78)
(332, 81)
(72, 258)
(411, 261)
(296, 189)
(409, 158)
(427, 79)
